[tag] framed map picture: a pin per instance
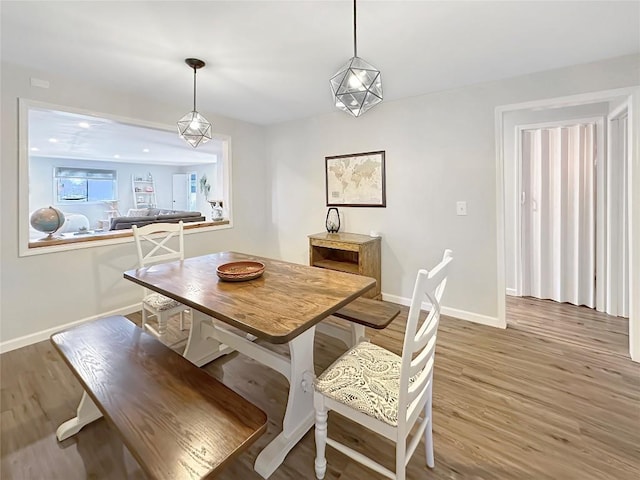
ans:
(356, 180)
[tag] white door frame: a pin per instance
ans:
(633, 95)
(600, 147)
(613, 252)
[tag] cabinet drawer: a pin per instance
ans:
(352, 247)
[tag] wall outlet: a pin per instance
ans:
(461, 208)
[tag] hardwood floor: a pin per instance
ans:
(580, 326)
(508, 404)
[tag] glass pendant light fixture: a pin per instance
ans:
(193, 127)
(357, 86)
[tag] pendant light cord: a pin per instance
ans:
(194, 88)
(355, 42)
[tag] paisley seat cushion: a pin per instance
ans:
(367, 379)
(160, 302)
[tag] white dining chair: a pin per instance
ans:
(385, 392)
(150, 238)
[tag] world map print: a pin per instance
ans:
(356, 180)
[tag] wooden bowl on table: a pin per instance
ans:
(240, 271)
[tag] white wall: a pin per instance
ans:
(634, 227)
(43, 191)
(440, 148)
(511, 196)
(211, 171)
(45, 291)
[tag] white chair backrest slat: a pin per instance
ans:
(160, 251)
(159, 247)
(416, 405)
(421, 369)
(423, 356)
(420, 340)
(427, 330)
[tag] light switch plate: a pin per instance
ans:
(38, 82)
(461, 208)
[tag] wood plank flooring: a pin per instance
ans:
(580, 326)
(508, 404)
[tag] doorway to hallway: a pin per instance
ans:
(615, 265)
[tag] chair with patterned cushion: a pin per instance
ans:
(151, 239)
(385, 392)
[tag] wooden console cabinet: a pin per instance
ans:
(348, 252)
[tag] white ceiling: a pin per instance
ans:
(270, 61)
(70, 135)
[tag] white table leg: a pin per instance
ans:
(201, 348)
(86, 413)
(357, 334)
(350, 335)
(336, 331)
(299, 415)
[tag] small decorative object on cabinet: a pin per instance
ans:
(348, 252)
(144, 191)
(216, 210)
(333, 220)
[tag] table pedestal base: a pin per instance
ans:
(200, 348)
(299, 416)
(272, 456)
(207, 341)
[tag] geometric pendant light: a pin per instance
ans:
(357, 86)
(193, 127)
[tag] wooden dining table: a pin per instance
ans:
(282, 306)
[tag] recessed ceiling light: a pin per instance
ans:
(145, 150)
(84, 125)
(116, 156)
(53, 140)
(35, 149)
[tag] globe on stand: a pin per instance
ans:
(47, 220)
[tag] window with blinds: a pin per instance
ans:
(84, 185)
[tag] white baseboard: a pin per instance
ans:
(45, 334)
(512, 292)
(474, 317)
(451, 312)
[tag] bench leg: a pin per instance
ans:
(299, 415)
(87, 412)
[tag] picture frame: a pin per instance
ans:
(356, 180)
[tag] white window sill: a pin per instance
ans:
(69, 241)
